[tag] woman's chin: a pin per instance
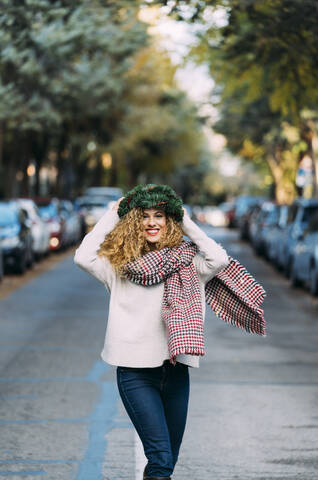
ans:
(153, 239)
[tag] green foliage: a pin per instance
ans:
(75, 72)
(59, 60)
(264, 59)
(160, 131)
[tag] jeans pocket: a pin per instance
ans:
(129, 375)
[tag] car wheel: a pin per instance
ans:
(21, 265)
(37, 256)
(313, 281)
(266, 253)
(278, 264)
(294, 280)
(257, 249)
(287, 267)
(30, 261)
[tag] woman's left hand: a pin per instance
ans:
(115, 207)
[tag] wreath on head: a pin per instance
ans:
(151, 196)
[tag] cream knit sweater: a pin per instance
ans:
(135, 333)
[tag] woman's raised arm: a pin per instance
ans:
(213, 257)
(86, 255)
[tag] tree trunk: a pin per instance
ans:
(113, 174)
(40, 145)
(10, 173)
(283, 190)
(98, 172)
(2, 176)
(61, 160)
(315, 175)
(11, 163)
(133, 172)
(24, 192)
(308, 135)
(75, 156)
(314, 158)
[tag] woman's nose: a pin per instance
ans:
(151, 221)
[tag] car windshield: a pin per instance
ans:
(107, 198)
(309, 213)
(93, 205)
(48, 211)
(272, 216)
(313, 222)
(8, 216)
(109, 194)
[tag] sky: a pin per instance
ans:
(177, 38)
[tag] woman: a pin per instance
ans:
(154, 332)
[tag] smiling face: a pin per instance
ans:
(154, 223)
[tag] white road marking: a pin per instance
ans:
(140, 459)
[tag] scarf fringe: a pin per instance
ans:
(235, 297)
(257, 325)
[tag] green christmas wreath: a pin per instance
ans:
(150, 196)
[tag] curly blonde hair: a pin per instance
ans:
(126, 241)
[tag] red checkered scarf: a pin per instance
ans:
(233, 294)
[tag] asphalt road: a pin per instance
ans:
(253, 407)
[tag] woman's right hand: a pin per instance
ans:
(116, 205)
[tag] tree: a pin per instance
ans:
(81, 81)
(257, 134)
(62, 68)
(265, 51)
(160, 131)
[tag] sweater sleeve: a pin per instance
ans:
(86, 255)
(212, 257)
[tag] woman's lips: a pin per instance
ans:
(152, 232)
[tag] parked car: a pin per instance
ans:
(50, 212)
(91, 209)
(15, 237)
(261, 222)
(270, 224)
(301, 212)
(1, 263)
(72, 222)
(276, 234)
(246, 218)
(189, 209)
(304, 255)
(198, 213)
(242, 203)
(229, 211)
(40, 232)
(110, 194)
(215, 216)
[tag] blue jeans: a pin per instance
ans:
(156, 400)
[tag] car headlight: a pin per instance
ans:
(10, 242)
